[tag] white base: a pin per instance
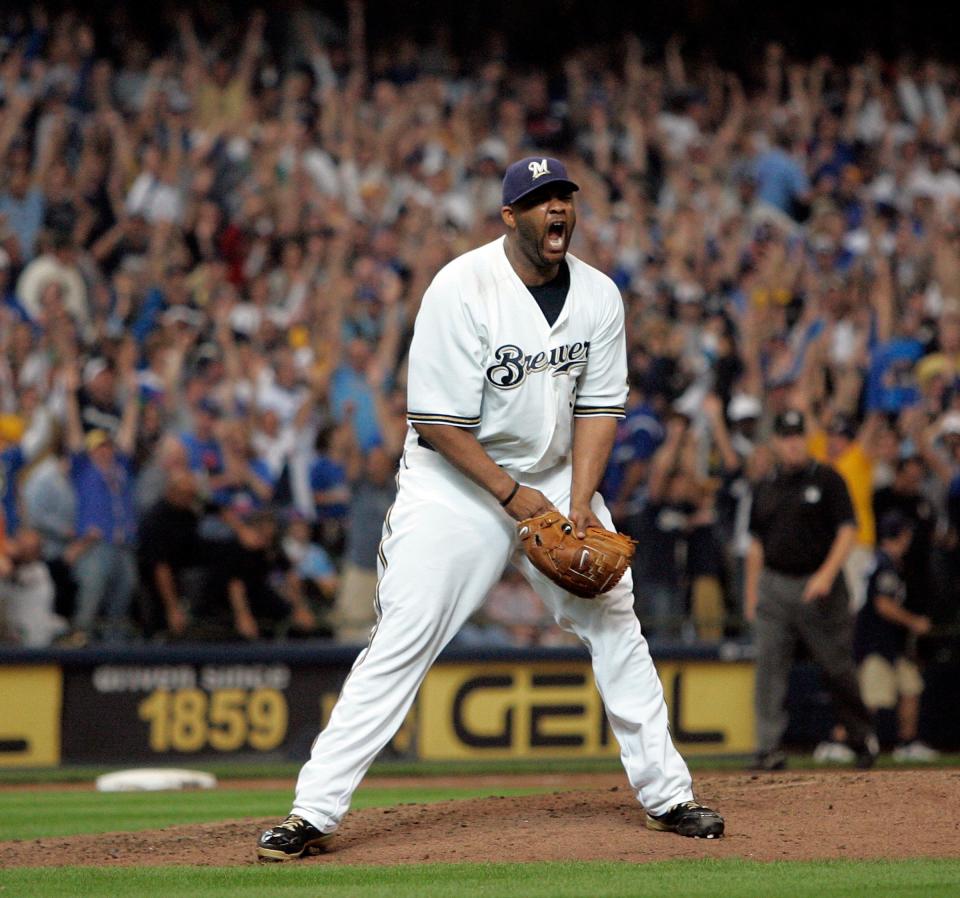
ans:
(155, 779)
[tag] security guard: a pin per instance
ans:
(802, 529)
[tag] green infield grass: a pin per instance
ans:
(247, 769)
(716, 878)
(289, 769)
(32, 815)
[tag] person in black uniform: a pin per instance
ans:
(802, 529)
(182, 577)
(905, 496)
(889, 678)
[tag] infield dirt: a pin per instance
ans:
(806, 815)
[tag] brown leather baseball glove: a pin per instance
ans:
(586, 567)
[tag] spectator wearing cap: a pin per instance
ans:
(885, 638)
(741, 465)
(743, 413)
(102, 476)
(850, 452)
(56, 265)
(803, 528)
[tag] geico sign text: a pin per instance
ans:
(515, 710)
(524, 714)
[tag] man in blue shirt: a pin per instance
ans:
(781, 180)
(639, 435)
(102, 475)
(204, 450)
(331, 471)
(22, 207)
(351, 396)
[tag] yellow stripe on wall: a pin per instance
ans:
(31, 697)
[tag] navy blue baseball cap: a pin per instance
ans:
(532, 173)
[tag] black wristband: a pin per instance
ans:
(513, 492)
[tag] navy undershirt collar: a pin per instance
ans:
(552, 295)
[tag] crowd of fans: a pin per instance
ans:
(212, 254)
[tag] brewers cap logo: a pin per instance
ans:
(538, 169)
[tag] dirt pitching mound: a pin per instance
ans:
(804, 815)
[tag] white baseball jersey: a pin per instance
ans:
(483, 356)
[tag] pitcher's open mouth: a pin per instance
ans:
(556, 236)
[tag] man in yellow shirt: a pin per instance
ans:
(850, 454)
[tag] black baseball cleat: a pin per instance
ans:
(291, 839)
(688, 819)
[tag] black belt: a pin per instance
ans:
(422, 442)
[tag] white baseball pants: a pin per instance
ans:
(445, 543)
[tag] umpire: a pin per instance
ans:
(802, 528)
